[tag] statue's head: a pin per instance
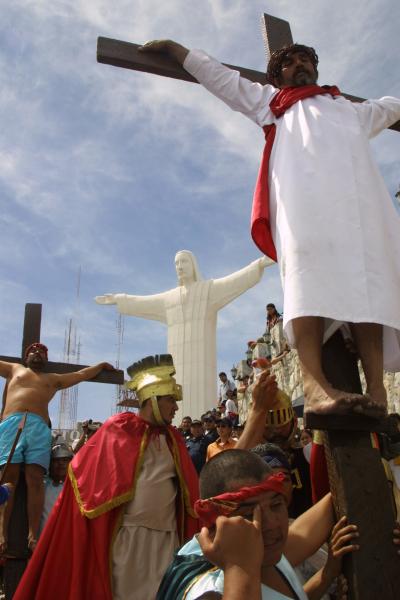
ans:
(186, 267)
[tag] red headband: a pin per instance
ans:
(225, 504)
(36, 345)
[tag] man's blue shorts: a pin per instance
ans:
(34, 444)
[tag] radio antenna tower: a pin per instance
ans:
(119, 389)
(125, 400)
(68, 406)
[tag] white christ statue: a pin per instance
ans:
(190, 312)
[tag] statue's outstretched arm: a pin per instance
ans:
(147, 307)
(226, 289)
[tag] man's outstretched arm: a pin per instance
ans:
(239, 93)
(70, 379)
(6, 369)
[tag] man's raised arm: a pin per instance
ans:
(263, 400)
(70, 379)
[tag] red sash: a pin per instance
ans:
(260, 214)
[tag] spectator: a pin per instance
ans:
(231, 411)
(210, 428)
(224, 387)
(197, 445)
(273, 317)
(185, 427)
(306, 437)
(237, 432)
(60, 457)
(89, 428)
(224, 441)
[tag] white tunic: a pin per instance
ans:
(335, 228)
(147, 539)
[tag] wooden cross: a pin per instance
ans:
(18, 552)
(31, 334)
(276, 33)
(357, 479)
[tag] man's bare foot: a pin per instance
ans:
(331, 401)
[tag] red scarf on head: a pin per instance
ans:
(260, 215)
(225, 504)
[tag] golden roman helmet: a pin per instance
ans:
(151, 377)
(283, 413)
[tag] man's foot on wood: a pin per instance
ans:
(338, 402)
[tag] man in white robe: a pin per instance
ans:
(333, 223)
(190, 311)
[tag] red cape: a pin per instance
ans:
(260, 215)
(72, 558)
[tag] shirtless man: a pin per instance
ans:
(29, 390)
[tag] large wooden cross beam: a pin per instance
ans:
(31, 334)
(276, 33)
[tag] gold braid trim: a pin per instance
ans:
(117, 527)
(184, 489)
(118, 500)
(196, 579)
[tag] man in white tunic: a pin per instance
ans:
(190, 311)
(333, 224)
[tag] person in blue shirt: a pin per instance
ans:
(197, 445)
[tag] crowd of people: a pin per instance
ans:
(213, 506)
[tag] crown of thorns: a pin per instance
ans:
(275, 62)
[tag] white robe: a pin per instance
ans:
(147, 538)
(191, 315)
(335, 228)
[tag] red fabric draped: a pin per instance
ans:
(225, 504)
(260, 215)
(72, 558)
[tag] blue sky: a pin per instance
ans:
(112, 171)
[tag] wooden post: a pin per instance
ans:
(358, 483)
(361, 491)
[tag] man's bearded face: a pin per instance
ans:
(297, 70)
(36, 359)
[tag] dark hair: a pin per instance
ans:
(275, 62)
(223, 469)
(224, 421)
(270, 451)
(222, 373)
(208, 418)
(190, 418)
